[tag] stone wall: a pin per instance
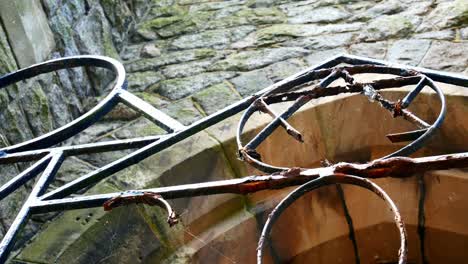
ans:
(190, 58)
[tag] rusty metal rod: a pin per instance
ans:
(391, 167)
(263, 107)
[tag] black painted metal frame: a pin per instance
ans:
(48, 157)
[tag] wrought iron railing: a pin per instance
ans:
(48, 157)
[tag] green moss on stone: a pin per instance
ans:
(160, 22)
(461, 9)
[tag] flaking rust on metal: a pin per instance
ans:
(148, 198)
(402, 166)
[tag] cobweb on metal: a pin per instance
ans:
(48, 157)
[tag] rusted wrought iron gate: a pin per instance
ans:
(48, 157)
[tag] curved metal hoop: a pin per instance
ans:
(406, 77)
(328, 180)
(84, 121)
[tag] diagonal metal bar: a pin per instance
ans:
(335, 74)
(25, 211)
(262, 106)
(111, 145)
(411, 95)
(161, 119)
(24, 177)
(266, 131)
(406, 136)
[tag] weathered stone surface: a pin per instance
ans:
(311, 14)
(7, 64)
(447, 56)
(376, 50)
(55, 240)
(251, 82)
(181, 87)
(95, 34)
(464, 33)
(186, 69)
(181, 110)
(249, 41)
(322, 42)
(71, 169)
(281, 70)
(281, 32)
(409, 52)
(446, 14)
(249, 60)
(260, 16)
(14, 129)
(150, 51)
(141, 127)
(417, 8)
(317, 57)
(36, 110)
(210, 6)
(161, 9)
(385, 27)
(437, 35)
(30, 36)
(131, 52)
(264, 3)
(168, 58)
(148, 29)
(382, 8)
(219, 38)
(62, 105)
(216, 97)
(96, 132)
(7, 61)
(120, 17)
(139, 81)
